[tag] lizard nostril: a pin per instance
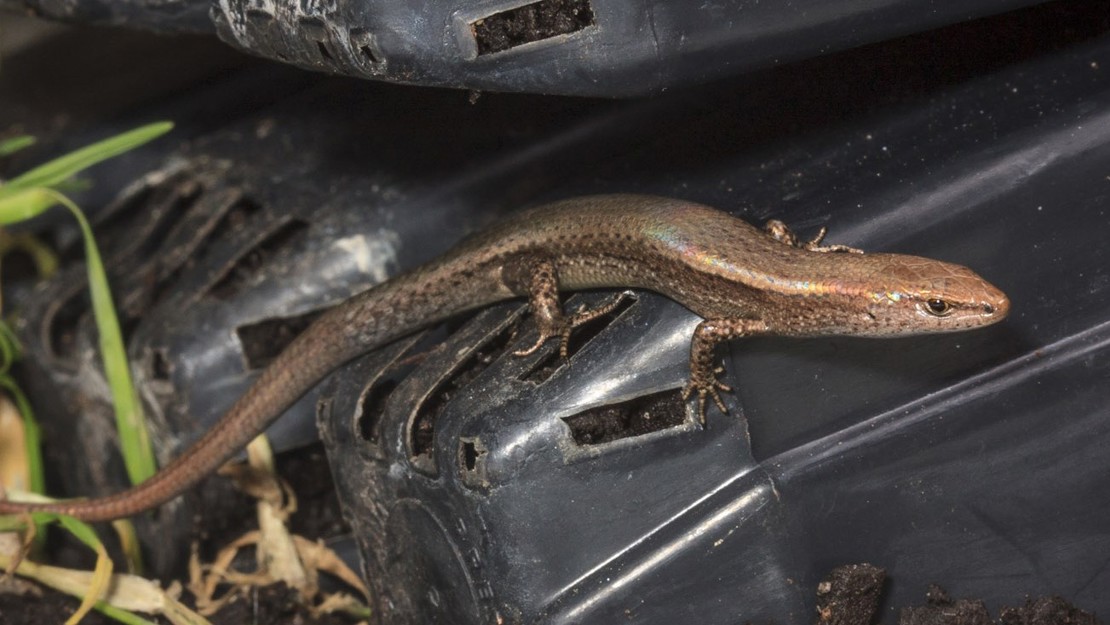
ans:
(988, 309)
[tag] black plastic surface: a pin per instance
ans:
(569, 47)
(179, 16)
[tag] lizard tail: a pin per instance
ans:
(277, 388)
(365, 321)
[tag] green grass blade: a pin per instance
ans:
(63, 167)
(81, 531)
(15, 144)
(24, 204)
(138, 455)
(30, 194)
(10, 349)
(123, 616)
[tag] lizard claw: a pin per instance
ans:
(538, 344)
(710, 389)
(717, 384)
(559, 326)
(563, 332)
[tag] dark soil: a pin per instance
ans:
(850, 595)
(42, 606)
(318, 514)
(274, 604)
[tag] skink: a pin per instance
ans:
(742, 281)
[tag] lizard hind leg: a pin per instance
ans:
(543, 297)
(783, 234)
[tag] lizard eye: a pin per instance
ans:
(937, 307)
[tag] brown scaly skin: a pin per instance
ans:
(741, 280)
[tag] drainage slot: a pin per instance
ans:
(423, 426)
(160, 212)
(247, 266)
(583, 334)
(636, 417)
(132, 209)
(323, 409)
(264, 340)
(230, 217)
(371, 407)
(530, 23)
(470, 455)
(160, 366)
(363, 42)
(472, 462)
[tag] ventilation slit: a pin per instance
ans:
(635, 417)
(160, 367)
(323, 410)
(470, 455)
(127, 211)
(472, 463)
(361, 40)
(581, 336)
(247, 266)
(371, 407)
(134, 242)
(423, 427)
(231, 219)
(162, 211)
(530, 23)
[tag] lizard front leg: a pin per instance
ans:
(703, 375)
(543, 297)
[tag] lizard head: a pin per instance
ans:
(920, 295)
